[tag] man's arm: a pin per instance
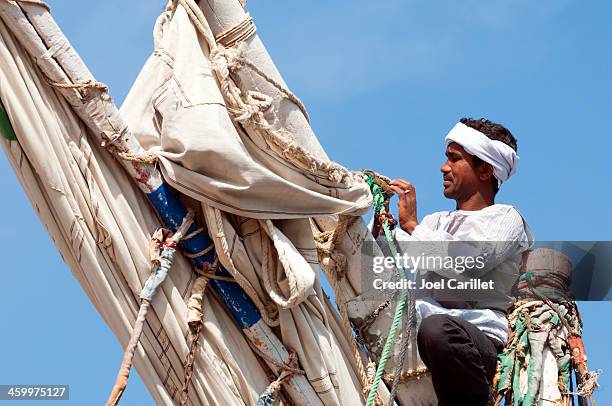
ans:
(494, 237)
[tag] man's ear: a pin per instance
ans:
(485, 171)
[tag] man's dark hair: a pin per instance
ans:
(495, 132)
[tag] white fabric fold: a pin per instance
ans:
(176, 110)
(501, 156)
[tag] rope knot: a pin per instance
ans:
(290, 368)
(337, 174)
(332, 260)
(83, 88)
(386, 217)
(246, 108)
(226, 60)
(253, 109)
(159, 239)
(336, 261)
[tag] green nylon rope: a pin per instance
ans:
(379, 199)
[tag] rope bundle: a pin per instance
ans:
(545, 316)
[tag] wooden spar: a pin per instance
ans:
(38, 33)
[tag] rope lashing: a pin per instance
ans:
(109, 144)
(532, 324)
(56, 47)
(161, 266)
(189, 360)
(555, 285)
(82, 88)
(268, 397)
(238, 33)
(124, 154)
(381, 193)
(370, 319)
(381, 198)
(227, 60)
(406, 376)
(386, 217)
(544, 283)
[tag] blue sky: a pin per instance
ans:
(383, 82)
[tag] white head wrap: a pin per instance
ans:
(501, 156)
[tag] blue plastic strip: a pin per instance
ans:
(172, 212)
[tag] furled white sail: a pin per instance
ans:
(101, 225)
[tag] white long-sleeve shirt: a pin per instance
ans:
(499, 232)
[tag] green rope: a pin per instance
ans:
(379, 202)
(5, 125)
(512, 360)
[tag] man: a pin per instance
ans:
(459, 340)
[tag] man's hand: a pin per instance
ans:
(406, 204)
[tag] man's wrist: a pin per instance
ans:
(409, 226)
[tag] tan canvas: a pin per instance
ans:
(102, 224)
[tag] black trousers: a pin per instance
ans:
(461, 358)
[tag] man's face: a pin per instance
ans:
(460, 174)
